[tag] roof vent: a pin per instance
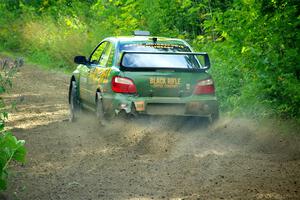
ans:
(141, 33)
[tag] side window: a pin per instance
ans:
(106, 55)
(95, 59)
(111, 57)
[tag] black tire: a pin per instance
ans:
(214, 117)
(122, 115)
(74, 103)
(99, 110)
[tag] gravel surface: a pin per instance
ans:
(142, 158)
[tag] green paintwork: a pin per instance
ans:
(162, 92)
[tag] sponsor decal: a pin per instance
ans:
(188, 86)
(139, 105)
(163, 82)
(156, 45)
(101, 75)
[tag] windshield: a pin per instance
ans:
(149, 60)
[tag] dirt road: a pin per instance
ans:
(145, 158)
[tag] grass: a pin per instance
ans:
(40, 60)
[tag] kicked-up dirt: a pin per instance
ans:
(143, 158)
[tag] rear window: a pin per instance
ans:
(173, 61)
(162, 61)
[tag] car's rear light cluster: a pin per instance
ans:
(123, 85)
(205, 87)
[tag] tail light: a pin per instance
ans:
(123, 85)
(205, 87)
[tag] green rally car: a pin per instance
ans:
(142, 74)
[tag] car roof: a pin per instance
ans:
(143, 38)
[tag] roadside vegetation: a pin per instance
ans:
(253, 45)
(11, 149)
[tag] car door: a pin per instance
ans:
(86, 92)
(98, 75)
(84, 70)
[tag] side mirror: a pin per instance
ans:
(80, 60)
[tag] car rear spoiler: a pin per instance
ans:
(145, 68)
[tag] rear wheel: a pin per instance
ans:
(74, 102)
(214, 117)
(99, 110)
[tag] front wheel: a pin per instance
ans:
(73, 102)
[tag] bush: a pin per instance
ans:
(10, 148)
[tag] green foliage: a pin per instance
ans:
(10, 147)
(265, 59)
(253, 44)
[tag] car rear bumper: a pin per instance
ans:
(204, 105)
